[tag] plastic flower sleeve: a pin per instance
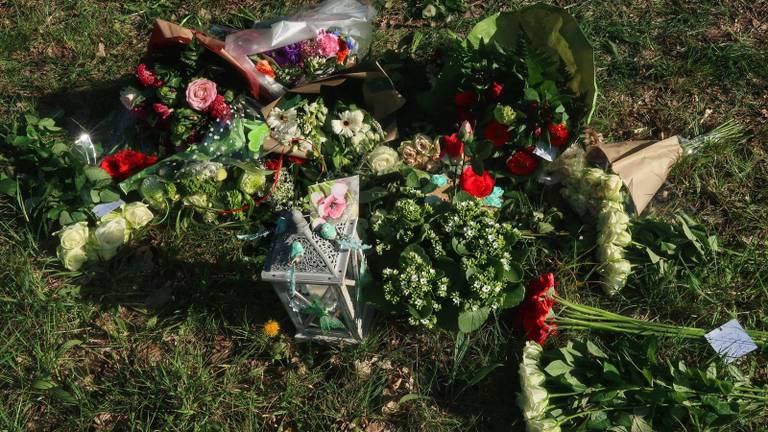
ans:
(346, 19)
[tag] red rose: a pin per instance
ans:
(452, 146)
(125, 163)
(497, 133)
(477, 185)
(465, 99)
(163, 111)
(219, 109)
(558, 134)
(522, 163)
(533, 314)
(146, 77)
(494, 91)
(297, 160)
(341, 55)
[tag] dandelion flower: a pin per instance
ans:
(348, 124)
(271, 329)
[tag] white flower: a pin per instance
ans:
(111, 234)
(594, 176)
(544, 425)
(72, 259)
(348, 124)
(74, 236)
(610, 189)
(137, 214)
(610, 252)
(383, 160)
(283, 122)
(200, 201)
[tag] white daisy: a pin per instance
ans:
(283, 122)
(348, 124)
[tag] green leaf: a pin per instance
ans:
(65, 218)
(513, 297)
(459, 247)
(48, 124)
(470, 321)
(531, 94)
(79, 216)
(66, 346)
(94, 194)
(63, 396)
(95, 174)
(639, 424)
(557, 368)
(595, 351)
(256, 137)
(8, 187)
(411, 397)
(373, 194)
(108, 196)
(43, 384)
(413, 248)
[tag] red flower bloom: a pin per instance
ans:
(494, 91)
(125, 163)
(452, 146)
(533, 314)
(341, 55)
(465, 99)
(522, 163)
(219, 109)
(497, 133)
(271, 164)
(146, 77)
(163, 111)
(297, 160)
(477, 185)
(558, 134)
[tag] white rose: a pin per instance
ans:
(619, 267)
(594, 177)
(610, 252)
(74, 236)
(137, 214)
(612, 219)
(111, 234)
(383, 160)
(72, 259)
(611, 188)
(544, 425)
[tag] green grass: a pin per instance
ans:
(169, 337)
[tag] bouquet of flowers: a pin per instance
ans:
(311, 44)
(181, 99)
(338, 138)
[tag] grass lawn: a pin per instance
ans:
(169, 338)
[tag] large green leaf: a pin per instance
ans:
(470, 321)
(552, 30)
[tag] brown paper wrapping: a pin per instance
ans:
(166, 35)
(381, 103)
(642, 165)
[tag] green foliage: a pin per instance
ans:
(48, 178)
(632, 385)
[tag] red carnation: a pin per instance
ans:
(125, 163)
(146, 77)
(497, 133)
(465, 100)
(533, 314)
(452, 146)
(522, 163)
(297, 160)
(163, 111)
(219, 109)
(494, 91)
(558, 134)
(271, 164)
(477, 185)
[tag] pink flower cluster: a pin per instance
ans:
(331, 206)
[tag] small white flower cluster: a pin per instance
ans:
(300, 126)
(78, 244)
(283, 197)
(418, 285)
(594, 192)
(533, 399)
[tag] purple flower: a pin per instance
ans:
(289, 55)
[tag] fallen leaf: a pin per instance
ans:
(102, 51)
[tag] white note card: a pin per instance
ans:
(731, 341)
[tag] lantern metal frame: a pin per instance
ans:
(326, 270)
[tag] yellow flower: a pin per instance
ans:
(271, 329)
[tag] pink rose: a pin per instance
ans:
(201, 93)
(163, 111)
(327, 44)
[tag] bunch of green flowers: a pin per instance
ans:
(455, 257)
